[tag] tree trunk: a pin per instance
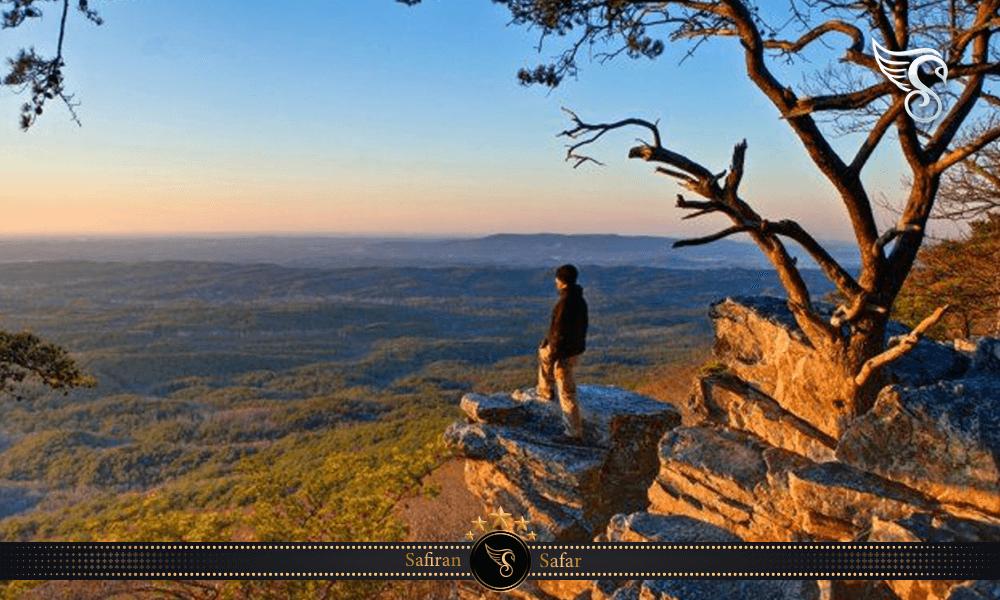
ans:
(867, 343)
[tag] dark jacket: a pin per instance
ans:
(568, 331)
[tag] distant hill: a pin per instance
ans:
(513, 250)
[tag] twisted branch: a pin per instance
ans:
(906, 343)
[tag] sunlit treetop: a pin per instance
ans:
(24, 355)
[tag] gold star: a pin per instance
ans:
(522, 523)
(469, 535)
(479, 523)
(531, 535)
(500, 516)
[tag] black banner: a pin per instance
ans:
(453, 561)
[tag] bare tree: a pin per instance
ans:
(856, 96)
(972, 189)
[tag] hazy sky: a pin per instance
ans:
(353, 117)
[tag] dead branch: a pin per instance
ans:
(725, 198)
(892, 234)
(712, 238)
(964, 152)
(595, 131)
(704, 178)
(850, 101)
(906, 343)
(844, 315)
(735, 172)
(833, 270)
(876, 134)
(851, 31)
(677, 174)
(704, 208)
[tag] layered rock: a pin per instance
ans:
(726, 399)
(925, 527)
(570, 491)
(769, 457)
(765, 494)
(645, 527)
(935, 430)
(759, 342)
(941, 439)
(700, 589)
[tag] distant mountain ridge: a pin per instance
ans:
(504, 249)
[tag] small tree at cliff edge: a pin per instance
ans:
(24, 355)
(854, 96)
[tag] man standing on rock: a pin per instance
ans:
(559, 351)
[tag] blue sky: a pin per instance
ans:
(348, 117)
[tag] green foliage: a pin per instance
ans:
(713, 367)
(16, 589)
(963, 273)
(45, 455)
(25, 354)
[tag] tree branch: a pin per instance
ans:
(735, 173)
(837, 274)
(816, 144)
(705, 208)
(597, 130)
(879, 246)
(953, 121)
(712, 238)
(876, 134)
(964, 152)
(698, 178)
(851, 101)
(906, 343)
(833, 26)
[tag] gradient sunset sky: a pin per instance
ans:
(369, 117)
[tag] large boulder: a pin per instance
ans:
(515, 459)
(933, 528)
(942, 439)
(758, 341)
(700, 589)
(644, 527)
(721, 477)
(985, 589)
(740, 483)
(671, 529)
(725, 399)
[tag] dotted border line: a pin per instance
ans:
(559, 575)
(465, 546)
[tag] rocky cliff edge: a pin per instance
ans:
(757, 463)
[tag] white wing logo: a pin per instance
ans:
(903, 77)
(500, 558)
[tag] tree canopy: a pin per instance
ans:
(962, 272)
(30, 72)
(24, 355)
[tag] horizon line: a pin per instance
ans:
(383, 236)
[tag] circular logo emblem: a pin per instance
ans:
(500, 561)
